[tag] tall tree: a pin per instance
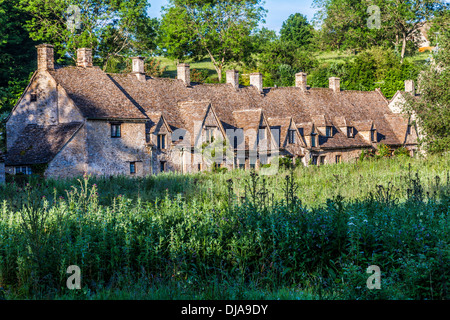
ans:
(343, 24)
(17, 59)
(406, 17)
(220, 29)
(111, 27)
(432, 106)
(296, 30)
(17, 52)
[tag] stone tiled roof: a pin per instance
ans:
(399, 123)
(38, 144)
(125, 96)
(95, 94)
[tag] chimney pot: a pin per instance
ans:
(233, 78)
(45, 59)
(409, 87)
(184, 73)
(256, 81)
(138, 67)
(84, 58)
(300, 80)
(335, 84)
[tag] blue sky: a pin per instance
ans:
(278, 10)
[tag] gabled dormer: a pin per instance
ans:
(256, 129)
(162, 134)
(289, 133)
(345, 126)
(324, 127)
(310, 134)
(366, 129)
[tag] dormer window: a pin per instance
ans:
(350, 132)
(33, 97)
(329, 131)
(115, 130)
(161, 143)
(291, 136)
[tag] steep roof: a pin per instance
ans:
(40, 144)
(399, 123)
(96, 94)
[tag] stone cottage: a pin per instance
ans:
(78, 119)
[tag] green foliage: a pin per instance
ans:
(280, 61)
(373, 68)
(384, 150)
(17, 52)
(401, 152)
(344, 23)
(199, 76)
(232, 231)
(432, 107)
(111, 28)
(220, 29)
(296, 30)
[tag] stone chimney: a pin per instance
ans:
(300, 80)
(233, 78)
(256, 81)
(335, 84)
(138, 68)
(45, 55)
(409, 87)
(84, 58)
(184, 73)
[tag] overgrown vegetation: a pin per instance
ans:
(304, 234)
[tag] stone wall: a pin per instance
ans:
(43, 111)
(71, 161)
(112, 156)
(347, 155)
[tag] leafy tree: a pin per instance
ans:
(432, 106)
(319, 77)
(17, 52)
(17, 58)
(296, 30)
(221, 29)
(280, 61)
(361, 73)
(111, 27)
(344, 25)
(373, 68)
(344, 22)
(405, 17)
(440, 23)
(262, 38)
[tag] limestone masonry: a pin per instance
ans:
(78, 119)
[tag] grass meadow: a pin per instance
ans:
(306, 233)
